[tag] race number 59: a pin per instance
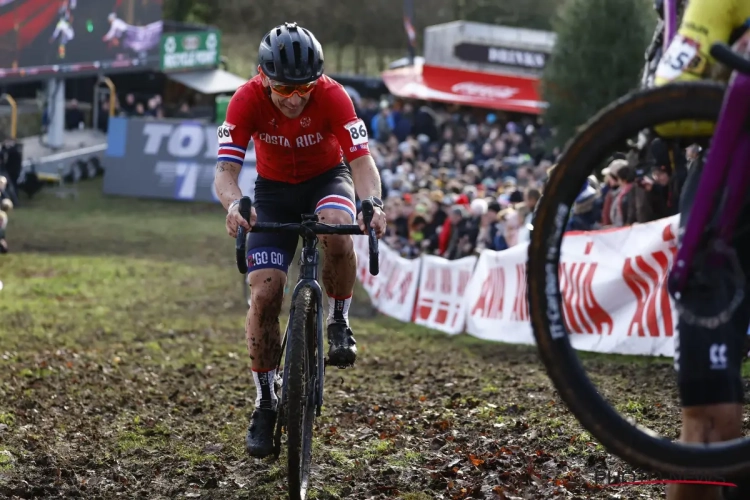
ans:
(677, 58)
(358, 132)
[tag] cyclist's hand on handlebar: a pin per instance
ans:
(378, 222)
(235, 219)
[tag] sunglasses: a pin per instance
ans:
(285, 90)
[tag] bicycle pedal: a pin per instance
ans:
(327, 363)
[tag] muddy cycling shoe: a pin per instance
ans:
(342, 351)
(259, 440)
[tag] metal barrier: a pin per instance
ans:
(112, 98)
(13, 114)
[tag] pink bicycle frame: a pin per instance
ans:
(726, 174)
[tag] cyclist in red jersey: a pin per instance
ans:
(303, 125)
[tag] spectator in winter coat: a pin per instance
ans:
(508, 236)
(611, 189)
(383, 123)
(488, 229)
(620, 212)
(404, 123)
(585, 215)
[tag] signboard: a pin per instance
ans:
(190, 50)
(222, 103)
(167, 159)
(501, 56)
(39, 38)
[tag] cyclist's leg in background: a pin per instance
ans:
(268, 256)
(708, 362)
(688, 58)
(704, 23)
(334, 204)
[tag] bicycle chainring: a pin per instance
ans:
(716, 288)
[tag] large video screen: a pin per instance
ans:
(43, 37)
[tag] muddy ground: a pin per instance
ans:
(123, 374)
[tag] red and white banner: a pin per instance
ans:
(393, 290)
(397, 285)
(361, 249)
(440, 300)
(613, 285)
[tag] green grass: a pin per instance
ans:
(129, 269)
(6, 460)
(122, 345)
(415, 496)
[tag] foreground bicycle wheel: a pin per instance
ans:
(700, 101)
(299, 397)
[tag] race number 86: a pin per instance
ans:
(358, 132)
(224, 133)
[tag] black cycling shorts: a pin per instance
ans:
(285, 203)
(709, 361)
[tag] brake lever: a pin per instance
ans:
(240, 256)
(368, 212)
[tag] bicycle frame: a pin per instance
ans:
(308, 229)
(670, 23)
(665, 30)
(308, 276)
(725, 166)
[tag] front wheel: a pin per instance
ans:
(299, 393)
(698, 101)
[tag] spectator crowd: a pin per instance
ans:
(130, 106)
(457, 181)
(6, 205)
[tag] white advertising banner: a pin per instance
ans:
(396, 284)
(495, 300)
(362, 250)
(613, 285)
(440, 299)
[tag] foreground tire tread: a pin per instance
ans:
(594, 142)
(302, 330)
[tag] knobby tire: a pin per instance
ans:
(596, 140)
(300, 398)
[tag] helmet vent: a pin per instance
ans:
(297, 55)
(282, 55)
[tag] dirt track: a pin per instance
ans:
(123, 373)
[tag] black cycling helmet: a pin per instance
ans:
(290, 54)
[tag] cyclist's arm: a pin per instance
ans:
(366, 177)
(234, 135)
(351, 133)
(226, 182)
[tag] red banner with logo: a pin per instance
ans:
(469, 88)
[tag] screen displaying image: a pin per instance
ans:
(48, 36)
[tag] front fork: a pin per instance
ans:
(308, 276)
